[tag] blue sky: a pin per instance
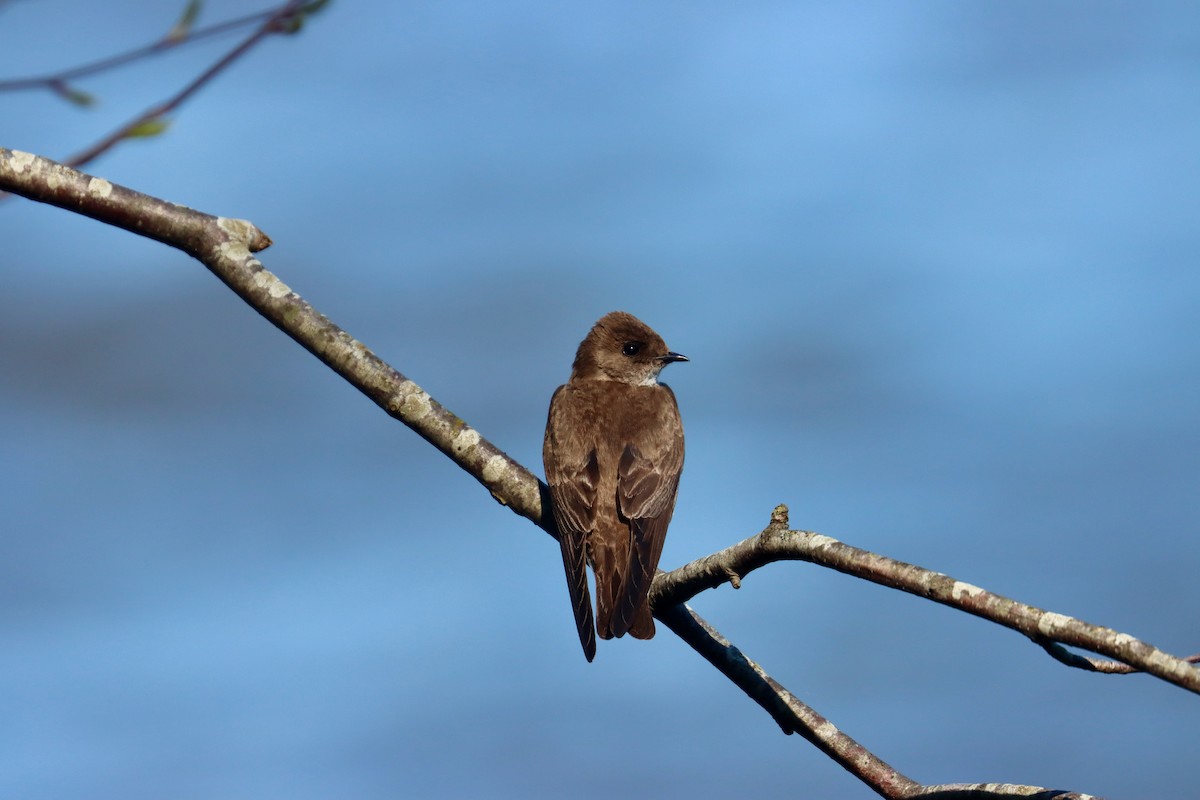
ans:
(935, 268)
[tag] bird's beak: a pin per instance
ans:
(670, 358)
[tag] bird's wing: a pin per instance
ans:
(573, 473)
(647, 480)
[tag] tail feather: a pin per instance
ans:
(643, 622)
(609, 565)
(646, 543)
(624, 570)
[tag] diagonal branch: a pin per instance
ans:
(225, 247)
(273, 24)
(204, 237)
(794, 716)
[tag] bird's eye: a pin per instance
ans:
(632, 348)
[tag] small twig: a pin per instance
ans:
(274, 21)
(271, 25)
(1089, 664)
(55, 80)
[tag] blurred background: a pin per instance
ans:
(935, 265)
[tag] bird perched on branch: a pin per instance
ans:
(613, 453)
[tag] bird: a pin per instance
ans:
(613, 454)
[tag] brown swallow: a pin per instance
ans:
(613, 454)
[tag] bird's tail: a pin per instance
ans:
(622, 583)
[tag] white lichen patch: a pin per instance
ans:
(959, 590)
(22, 161)
(494, 469)
(416, 403)
(466, 439)
(233, 250)
(266, 281)
(826, 731)
(238, 229)
(1124, 640)
(355, 350)
(1051, 623)
(821, 540)
(98, 187)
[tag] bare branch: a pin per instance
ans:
(981, 791)
(225, 247)
(201, 236)
(792, 715)
(178, 226)
(777, 543)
